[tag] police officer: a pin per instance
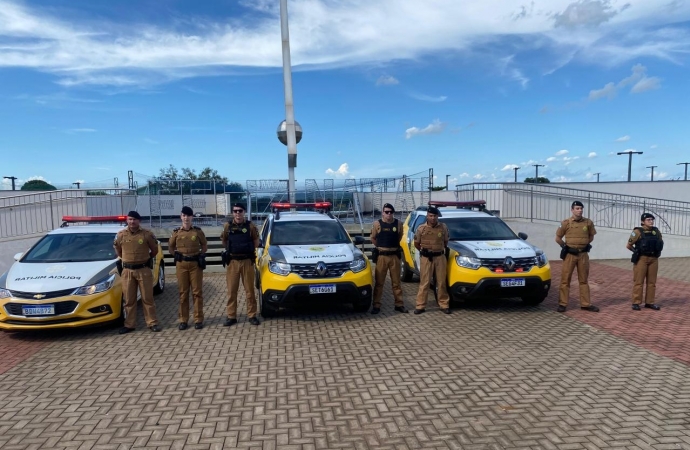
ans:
(646, 244)
(579, 233)
(240, 238)
(188, 245)
(431, 240)
(137, 247)
(385, 235)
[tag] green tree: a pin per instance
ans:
(96, 193)
(37, 185)
(539, 180)
(438, 188)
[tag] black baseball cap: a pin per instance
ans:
(576, 203)
(647, 216)
(433, 210)
(389, 206)
(134, 215)
(187, 211)
(239, 205)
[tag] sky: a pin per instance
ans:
(91, 90)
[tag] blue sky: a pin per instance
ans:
(90, 90)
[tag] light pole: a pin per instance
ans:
(291, 139)
(14, 178)
(515, 169)
(597, 174)
(447, 176)
(679, 164)
(536, 175)
(630, 153)
(78, 183)
(652, 167)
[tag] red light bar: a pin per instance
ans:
(317, 205)
(460, 204)
(94, 219)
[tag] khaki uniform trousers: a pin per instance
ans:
(190, 275)
(646, 269)
(426, 272)
(385, 264)
(581, 261)
(143, 280)
(240, 269)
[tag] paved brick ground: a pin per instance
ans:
(491, 377)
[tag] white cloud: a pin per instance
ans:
(528, 163)
(436, 127)
(509, 167)
(653, 146)
(84, 49)
(343, 171)
(80, 130)
(639, 80)
(478, 176)
(608, 91)
(660, 175)
(623, 138)
(551, 159)
(561, 152)
(570, 158)
(592, 155)
(464, 175)
(646, 84)
(387, 80)
(428, 98)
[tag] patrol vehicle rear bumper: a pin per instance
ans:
(299, 294)
(491, 288)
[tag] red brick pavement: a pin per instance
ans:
(665, 332)
(13, 351)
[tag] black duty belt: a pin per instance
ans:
(190, 258)
(240, 257)
(134, 266)
(577, 251)
(424, 252)
(388, 252)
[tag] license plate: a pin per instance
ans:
(513, 282)
(322, 289)
(42, 310)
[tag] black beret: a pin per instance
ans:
(576, 203)
(134, 215)
(433, 210)
(239, 205)
(388, 205)
(187, 211)
(647, 216)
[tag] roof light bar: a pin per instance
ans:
(94, 219)
(317, 205)
(475, 203)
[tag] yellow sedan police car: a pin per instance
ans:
(68, 278)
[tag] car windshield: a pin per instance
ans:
(478, 229)
(72, 247)
(308, 232)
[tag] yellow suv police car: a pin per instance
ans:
(485, 258)
(68, 278)
(308, 255)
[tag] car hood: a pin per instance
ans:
(311, 254)
(515, 248)
(40, 277)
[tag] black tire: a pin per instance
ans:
(267, 311)
(120, 321)
(533, 300)
(362, 306)
(405, 272)
(160, 281)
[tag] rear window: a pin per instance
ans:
(308, 232)
(72, 247)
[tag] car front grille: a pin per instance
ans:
(333, 270)
(42, 295)
(521, 264)
(15, 309)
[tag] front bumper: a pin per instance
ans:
(491, 288)
(346, 292)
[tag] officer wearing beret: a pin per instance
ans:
(240, 238)
(578, 233)
(646, 244)
(137, 247)
(386, 234)
(188, 245)
(431, 240)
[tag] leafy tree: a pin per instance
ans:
(438, 188)
(37, 185)
(539, 180)
(170, 181)
(96, 193)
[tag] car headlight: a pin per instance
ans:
(468, 262)
(358, 265)
(542, 260)
(279, 268)
(4, 293)
(101, 286)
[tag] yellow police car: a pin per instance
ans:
(485, 259)
(309, 256)
(68, 278)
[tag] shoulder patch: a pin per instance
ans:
(632, 234)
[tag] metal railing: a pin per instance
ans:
(551, 203)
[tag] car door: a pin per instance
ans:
(420, 219)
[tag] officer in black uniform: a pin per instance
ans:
(646, 244)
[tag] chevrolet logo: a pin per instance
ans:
(39, 296)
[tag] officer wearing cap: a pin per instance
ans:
(578, 233)
(386, 234)
(646, 244)
(240, 238)
(431, 240)
(137, 247)
(188, 245)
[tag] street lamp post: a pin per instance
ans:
(652, 167)
(515, 169)
(597, 174)
(630, 154)
(78, 183)
(679, 164)
(14, 178)
(291, 139)
(536, 175)
(447, 176)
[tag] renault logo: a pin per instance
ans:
(39, 296)
(509, 264)
(321, 268)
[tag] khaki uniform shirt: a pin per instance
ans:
(432, 238)
(376, 229)
(254, 232)
(577, 233)
(636, 235)
(135, 245)
(188, 242)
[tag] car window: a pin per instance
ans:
(420, 219)
(72, 247)
(478, 229)
(264, 230)
(307, 232)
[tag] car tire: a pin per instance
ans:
(267, 311)
(120, 321)
(362, 306)
(405, 272)
(533, 300)
(160, 282)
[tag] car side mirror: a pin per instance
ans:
(261, 243)
(359, 240)
(522, 236)
(18, 256)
